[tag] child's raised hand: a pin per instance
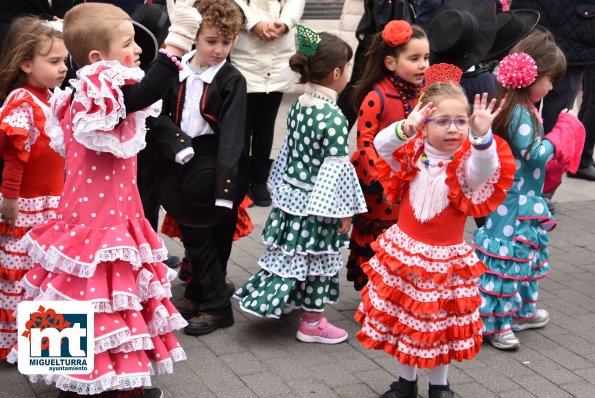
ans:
(9, 208)
(417, 118)
(185, 21)
(345, 226)
(483, 114)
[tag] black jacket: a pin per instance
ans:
(573, 24)
(223, 106)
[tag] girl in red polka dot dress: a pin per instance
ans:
(100, 248)
(421, 302)
(32, 64)
(387, 93)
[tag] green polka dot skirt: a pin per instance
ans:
(269, 295)
(303, 234)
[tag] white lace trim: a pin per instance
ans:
(276, 175)
(483, 191)
(121, 342)
(27, 123)
(110, 381)
(95, 130)
(54, 260)
(119, 302)
(135, 344)
(53, 128)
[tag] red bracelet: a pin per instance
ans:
(173, 58)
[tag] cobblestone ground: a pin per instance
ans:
(262, 358)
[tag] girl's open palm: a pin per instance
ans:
(483, 114)
(417, 118)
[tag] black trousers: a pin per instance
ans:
(587, 115)
(208, 251)
(260, 130)
(150, 162)
(562, 96)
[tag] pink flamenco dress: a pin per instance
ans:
(101, 248)
(24, 142)
(421, 301)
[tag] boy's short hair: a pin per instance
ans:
(223, 15)
(91, 26)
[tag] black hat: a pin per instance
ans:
(187, 192)
(150, 29)
(461, 32)
(511, 27)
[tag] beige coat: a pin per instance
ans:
(265, 64)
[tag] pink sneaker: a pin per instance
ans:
(324, 333)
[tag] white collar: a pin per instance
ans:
(207, 76)
(317, 89)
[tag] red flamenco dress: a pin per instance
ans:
(101, 248)
(390, 100)
(27, 157)
(421, 301)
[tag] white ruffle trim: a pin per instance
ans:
(299, 266)
(337, 192)
(110, 381)
(162, 322)
(53, 128)
(276, 174)
(147, 290)
(121, 342)
(119, 302)
(54, 260)
(166, 366)
(99, 130)
(483, 191)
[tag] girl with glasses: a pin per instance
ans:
(421, 301)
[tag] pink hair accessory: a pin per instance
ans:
(172, 58)
(517, 70)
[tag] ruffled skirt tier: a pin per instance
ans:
(421, 301)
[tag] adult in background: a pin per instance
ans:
(262, 56)
(573, 24)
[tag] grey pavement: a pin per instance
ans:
(261, 358)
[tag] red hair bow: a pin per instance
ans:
(396, 33)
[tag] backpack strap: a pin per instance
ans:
(381, 98)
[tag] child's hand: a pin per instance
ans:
(9, 208)
(417, 118)
(185, 21)
(483, 114)
(345, 225)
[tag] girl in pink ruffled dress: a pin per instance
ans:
(101, 248)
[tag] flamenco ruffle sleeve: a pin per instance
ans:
(24, 120)
(101, 122)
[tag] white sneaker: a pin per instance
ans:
(540, 319)
(504, 341)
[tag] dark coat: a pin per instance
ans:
(223, 106)
(573, 24)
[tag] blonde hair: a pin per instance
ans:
(91, 26)
(24, 40)
(437, 91)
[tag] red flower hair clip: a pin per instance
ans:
(441, 73)
(396, 33)
(517, 70)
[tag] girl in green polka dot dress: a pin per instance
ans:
(315, 193)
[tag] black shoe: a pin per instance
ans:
(207, 323)
(230, 287)
(440, 392)
(173, 262)
(184, 274)
(402, 389)
(584, 173)
(187, 308)
(261, 195)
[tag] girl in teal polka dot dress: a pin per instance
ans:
(513, 241)
(315, 193)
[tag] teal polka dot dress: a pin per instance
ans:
(313, 186)
(513, 241)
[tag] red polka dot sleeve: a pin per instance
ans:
(365, 156)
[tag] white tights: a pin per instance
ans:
(438, 375)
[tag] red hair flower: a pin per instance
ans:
(396, 33)
(517, 70)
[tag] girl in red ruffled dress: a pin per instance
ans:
(421, 301)
(32, 64)
(100, 248)
(387, 92)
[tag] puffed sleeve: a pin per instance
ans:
(100, 121)
(336, 193)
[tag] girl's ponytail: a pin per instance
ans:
(299, 63)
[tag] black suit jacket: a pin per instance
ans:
(223, 106)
